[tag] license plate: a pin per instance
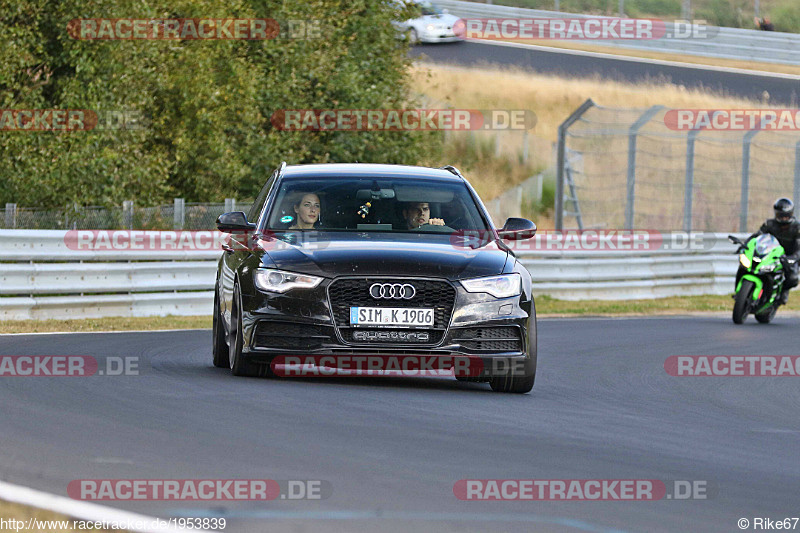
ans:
(390, 316)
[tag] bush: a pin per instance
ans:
(660, 8)
(786, 17)
(208, 104)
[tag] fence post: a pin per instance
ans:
(230, 205)
(127, 214)
(689, 188)
(561, 159)
(178, 214)
(11, 216)
(632, 133)
(797, 173)
(744, 201)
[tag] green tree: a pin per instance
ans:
(208, 103)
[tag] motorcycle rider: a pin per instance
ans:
(786, 229)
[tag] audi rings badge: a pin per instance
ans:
(394, 291)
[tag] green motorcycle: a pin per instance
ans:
(762, 278)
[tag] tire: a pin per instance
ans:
(520, 384)
(220, 346)
(742, 303)
(238, 364)
(413, 36)
(767, 316)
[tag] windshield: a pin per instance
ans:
(429, 9)
(765, 243)
(374, 205)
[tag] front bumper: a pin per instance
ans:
(440, 35)
(300, 323)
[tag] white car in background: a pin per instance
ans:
(433, 26)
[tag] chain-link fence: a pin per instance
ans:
(178, 215)
(627, 168)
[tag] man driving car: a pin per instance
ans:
(418, 214)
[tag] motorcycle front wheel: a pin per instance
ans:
(742, 303)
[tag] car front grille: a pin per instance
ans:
(354, 292)
(288, 335)
(494, 339)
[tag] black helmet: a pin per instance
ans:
(784, 210)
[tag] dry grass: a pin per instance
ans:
(675, 305)
(553, 98)
(660, 174)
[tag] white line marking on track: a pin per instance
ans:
(77, 509)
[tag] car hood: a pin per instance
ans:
(341, 254)
(445, 19)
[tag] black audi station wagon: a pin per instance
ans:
(348, 259)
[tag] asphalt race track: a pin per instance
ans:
(783, 90)
(392, 448)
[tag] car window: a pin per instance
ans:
(374, 205)
(258, 205)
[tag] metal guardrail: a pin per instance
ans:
(726, 43)
(41, 278)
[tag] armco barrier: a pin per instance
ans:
(41, 278)
(728, 43)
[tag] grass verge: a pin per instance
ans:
(545, 306)
(106, 324)
(674, 305)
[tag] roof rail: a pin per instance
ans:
(281, 168)
(452, 170)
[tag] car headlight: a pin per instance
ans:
(281, 281)
(498, 286)
(431, 27)
(745, 261)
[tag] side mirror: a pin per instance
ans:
(517, 229)
(234, 222)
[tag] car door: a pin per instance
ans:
(237, 250)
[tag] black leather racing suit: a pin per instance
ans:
(788, 236)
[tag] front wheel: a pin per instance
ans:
(220, 346)
(520, 381)
(239, 365)
(767, 316)
(742, 303)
